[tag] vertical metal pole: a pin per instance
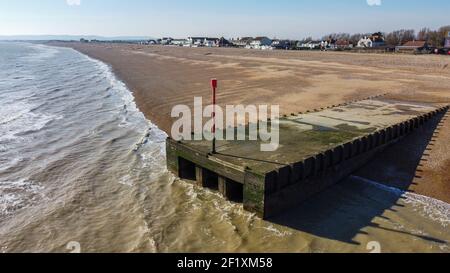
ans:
(214, 87)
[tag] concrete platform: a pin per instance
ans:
(317, 149)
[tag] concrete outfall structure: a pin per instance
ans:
(317, 149)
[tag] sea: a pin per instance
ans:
(83, 170)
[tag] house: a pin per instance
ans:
(281, 44)
(378, 40)
(309, 45)
(330, 43)
(211, 42)
(413, 47)
(196, 41)
(344, 44)
(447, 41)
(242, 42)
(166, 40)
(224, 43)
(179, 42)
(261, 43)
(365, 42)
(375, 40)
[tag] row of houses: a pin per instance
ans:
(262, 43)
(192, 42)
(375, 41)
(327, 44)
(265, 43)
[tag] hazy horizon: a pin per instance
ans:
(177, 18)
(68, 37)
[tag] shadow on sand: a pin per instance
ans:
(343, 211)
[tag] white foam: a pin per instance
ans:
(15, 195)
(24, 121)
(128, 103)
(126, 180)
(431, 208)
(17, 116)
(152, 150)
(118, 87)
(9, 113)
(8, 201)
(6, 161)
(43, 52)
(276, 232)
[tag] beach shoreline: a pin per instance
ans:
(162, 77)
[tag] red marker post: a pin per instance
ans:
(214, 87)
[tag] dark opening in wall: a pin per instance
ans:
(210, 180)
(235, 191)
(187, 169)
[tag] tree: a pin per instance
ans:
(434, 39)
(355, 38)
(424, 34)
(399, 37)
(437, 38)
(443, 33)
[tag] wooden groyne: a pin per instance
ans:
(317, 150)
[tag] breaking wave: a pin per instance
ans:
(429, 207)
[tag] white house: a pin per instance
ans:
(324, 45)
(310, 45)
(196, 41)
(179, 42)
(261, 43)
(365, 42)
(203, 41)
(242, 42)
(211, 42)
(166, 41)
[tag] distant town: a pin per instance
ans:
(425, 41)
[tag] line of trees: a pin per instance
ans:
(434, 38)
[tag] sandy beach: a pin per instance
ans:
(162, 77)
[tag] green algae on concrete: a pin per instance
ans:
(316, 150)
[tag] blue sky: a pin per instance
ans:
(229, 18)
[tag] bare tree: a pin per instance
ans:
(434, 39)
(443, 33)
(437, 38)
(400, 37)
(424, 34)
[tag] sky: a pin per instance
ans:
(228, 18)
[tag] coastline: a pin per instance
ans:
(161, 77)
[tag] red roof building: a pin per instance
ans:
(413, 47)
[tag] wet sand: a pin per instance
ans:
(162, 77)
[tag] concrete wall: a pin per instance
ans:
(318, 172)
(270, 194)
